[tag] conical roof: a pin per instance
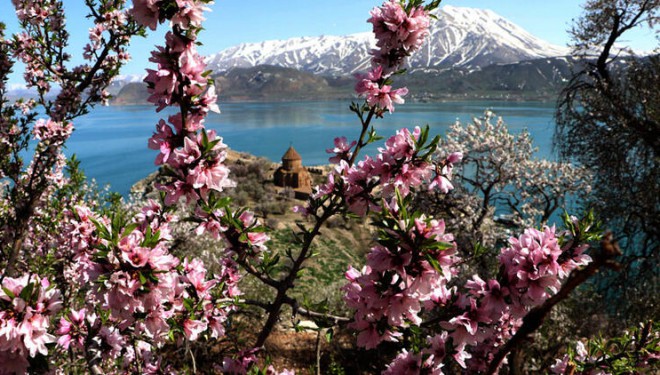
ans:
(291, 154)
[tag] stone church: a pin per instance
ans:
(292, 174)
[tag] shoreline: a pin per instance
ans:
(347, 100)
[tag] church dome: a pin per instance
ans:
(291, 154)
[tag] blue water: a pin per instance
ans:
(111, 142)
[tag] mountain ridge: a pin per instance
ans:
(460, 37)
(470, 52)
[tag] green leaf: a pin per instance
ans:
(402, 205)
(26, 293)
(434, 262)
(423, 136)
(205, 139)
(441, 246)
(103, 231)
(188, 304)
(143, 279)
(130, 228)
(9, 293)
(329, 333)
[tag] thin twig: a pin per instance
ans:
(192, 357)
(318, 351)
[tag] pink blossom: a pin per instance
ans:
(370, 81)
(72, 329)
(403, 307)
(405, 363)
(461, 355)
(114, 341)
(240, 364)
(137, 256)
(178, 189)
(96, 35)
(369, 336)
(384, 97)
(161, 260)
(191, 66)
(256, 239)
(341, 150)
(531, 264)
(398, 33)
(212, 226)
(207, 102)
(329, 187)
(401, 145)
(162, 82)
(189, 13)
(146, 12)
(211, 173)
(162, 140)
(455, 157)
(199, 282)
(437, 346)
(34, 329)
(441, 183)
(188, 154)
(193, 328)
(52, 130)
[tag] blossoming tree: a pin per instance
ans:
(500, 185)
(90, 289)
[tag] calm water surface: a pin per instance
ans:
(111, 142)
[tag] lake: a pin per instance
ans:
(111, 142)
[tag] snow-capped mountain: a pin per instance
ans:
(465, 37)
(122, 80)
(322, 55)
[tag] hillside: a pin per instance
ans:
(273, 83)
(539, 79)
(343, 241)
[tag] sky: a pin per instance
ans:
(232, 22)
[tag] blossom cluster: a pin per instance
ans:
(533, 268)
(398, 32)
(46, 60)
(181, 79)
(377, 93)
(192, 157)
(403, 275)
(562, 365)
(142, 291)
(400, 166)
(483, 315)
(52, 130)
(27, 305)
(499, 174)
(244, 361)
(186, 13)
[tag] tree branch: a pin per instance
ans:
(533, 320)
